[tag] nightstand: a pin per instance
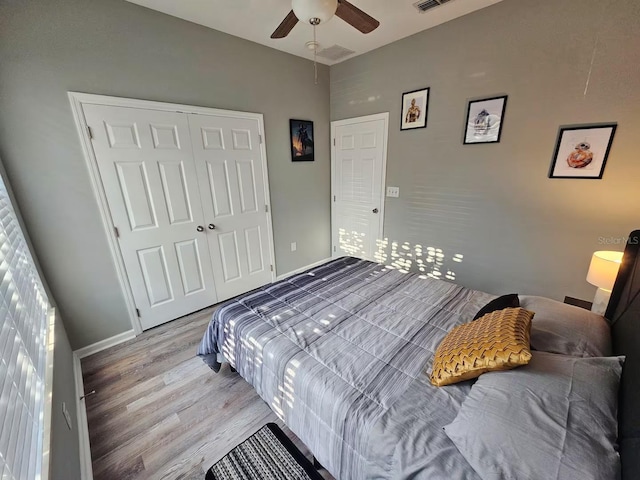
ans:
(578, 303)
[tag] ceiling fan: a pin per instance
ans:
(316, 12)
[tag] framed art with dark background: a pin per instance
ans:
(302, 149)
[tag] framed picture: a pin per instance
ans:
(415, 106)
(581, 151)
(484, 120)
(302, 149)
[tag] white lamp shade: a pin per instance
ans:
(604, 269)
(323, 10)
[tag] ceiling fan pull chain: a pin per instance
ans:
(315, 50)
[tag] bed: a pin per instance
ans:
(341, 353)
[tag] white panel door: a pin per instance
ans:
(147, 168)
(358, 182)
(231, 176)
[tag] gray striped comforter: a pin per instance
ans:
(341, 353)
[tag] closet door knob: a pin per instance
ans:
(200, 228)
(212, 226)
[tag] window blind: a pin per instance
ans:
(24, 311)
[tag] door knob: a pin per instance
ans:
(375, 210)
(200, 228)
(212, 226)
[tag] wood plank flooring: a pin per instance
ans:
(160, 413)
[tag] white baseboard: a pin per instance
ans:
(302, 269)
(86, 470)
(104, 344)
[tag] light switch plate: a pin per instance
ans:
(294, 246)
(393, 192)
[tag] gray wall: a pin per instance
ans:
(516, 229)
(65, 443)
(65, 447)
(492, 204)
(116, 48)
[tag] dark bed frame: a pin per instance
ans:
(624, 314)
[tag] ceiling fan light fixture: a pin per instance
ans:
(314, 12)
(312, 45)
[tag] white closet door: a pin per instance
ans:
(359, 162)
(146, 165)
(232, 185)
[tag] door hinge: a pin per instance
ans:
(90, 132)
(334, 198)
(138, 313)
(334, 248)
(260, 137)
(117, 232)
(334, 142)
(266, 209)
(271, 267)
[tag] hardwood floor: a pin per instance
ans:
(160, 413)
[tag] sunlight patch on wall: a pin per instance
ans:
(429, 261)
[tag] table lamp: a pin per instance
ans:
(602, 273)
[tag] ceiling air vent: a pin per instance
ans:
(335, 53)
(425, 5)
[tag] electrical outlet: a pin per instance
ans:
(294, 246)
(67, 416)
(393, 192)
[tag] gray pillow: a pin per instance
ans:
(565, 329)
(555, 418)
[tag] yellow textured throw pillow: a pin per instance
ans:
(497, 341)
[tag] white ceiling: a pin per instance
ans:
(255, 20)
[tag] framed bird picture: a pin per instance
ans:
(302, 149)
(582, 151)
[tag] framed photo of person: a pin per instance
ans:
(302, 149)
(415, 106)
(484, 120)
(582, 151)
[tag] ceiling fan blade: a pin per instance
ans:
(286, 26)
(356, 17)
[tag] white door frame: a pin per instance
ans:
(338, 123)
(77, 100)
